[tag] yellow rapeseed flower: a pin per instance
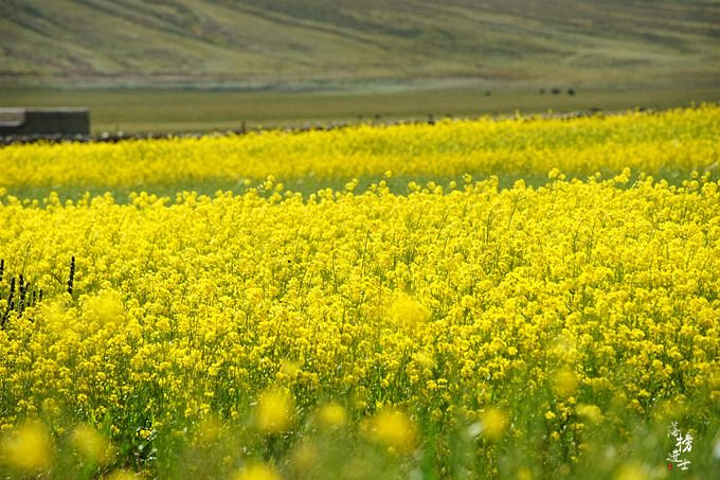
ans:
(582, 145)
(632, 471)
(566, 383)
(590, 412)
(332, 415)
(274, 412)
(603, 291)
(406, 310)
(494, 423)
(393, 429)
(92, 445)
(122, 475)
(257, 471)
(106, 307)
(29, 448)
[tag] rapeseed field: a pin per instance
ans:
(526, 298)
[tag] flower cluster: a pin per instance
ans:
(675, 141)
(260, 335)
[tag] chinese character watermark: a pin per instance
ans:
(683, 444)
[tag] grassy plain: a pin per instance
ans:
(133, 111)
(197, 65)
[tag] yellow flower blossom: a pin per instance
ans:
(566, 383)
(332, 415)
(122, 475)
(494, 423)
(395, 430)
(683, 138)
(575, 306)
(274, 411)
(92, 445)
(591, 412)
(258, 471)
(29, 448)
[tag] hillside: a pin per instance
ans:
(299, 43)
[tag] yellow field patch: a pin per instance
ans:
(503, 331)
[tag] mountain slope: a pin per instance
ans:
(261, 44)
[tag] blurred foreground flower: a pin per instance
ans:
(121, 475)
(566, 383)
(258, 471)
(494, 423)
(274, 411)
(29, 448)
(590, 412)
(395, 430)
(92, 445)
(332, 416)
